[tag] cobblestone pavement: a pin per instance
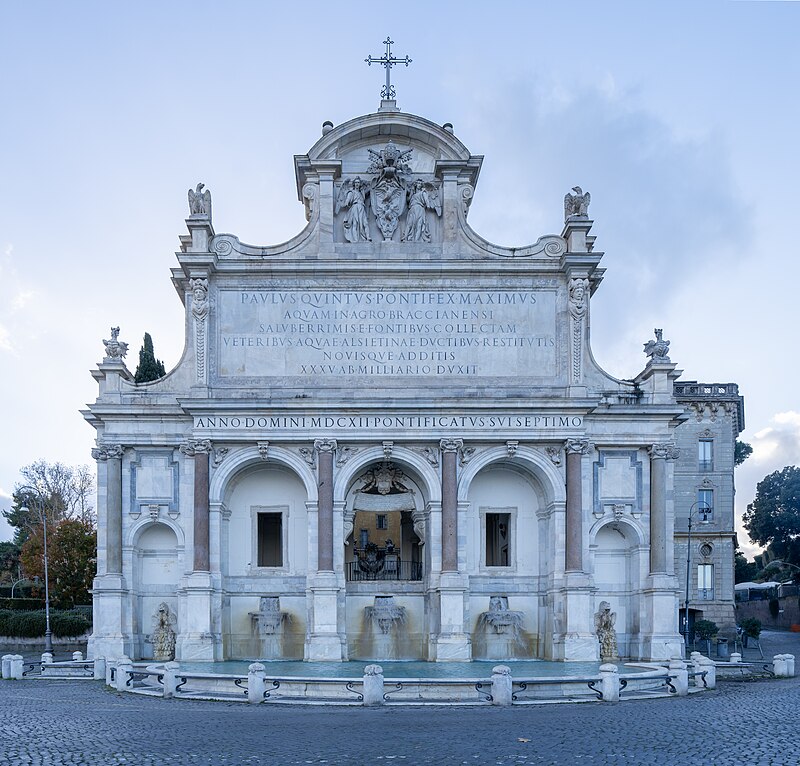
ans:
(80, 722)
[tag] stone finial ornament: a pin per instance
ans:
(658, 348)
(115, 349)
(577, 204)
(200, 202)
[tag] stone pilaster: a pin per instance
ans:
(658, 637)
(659, 454)
(109, 636)
(450, 449)
(573, 549)
(325, 449)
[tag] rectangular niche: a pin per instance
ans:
(617, 482)
(497, 537)
(154, 480)
(269, 536)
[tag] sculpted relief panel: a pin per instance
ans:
(386, 201)
(341, 334)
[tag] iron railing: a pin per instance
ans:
(397, 570)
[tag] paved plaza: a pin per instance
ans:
(80, 722)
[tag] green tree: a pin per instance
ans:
(745, 571)
(54, 490)
(9, 563)
(741, 451)
(773, 518)
(149, 367)
(71, 558)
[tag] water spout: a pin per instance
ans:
(269, 623)
(383, 622)
(499, 634)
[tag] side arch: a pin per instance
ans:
(638, 537)
(136, 531)
(547, 477)
(248, 456)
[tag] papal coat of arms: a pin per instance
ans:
(388, 195)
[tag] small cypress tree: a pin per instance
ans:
(149, 367)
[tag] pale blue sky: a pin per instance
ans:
(680, 118)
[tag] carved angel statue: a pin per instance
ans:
(422, 196)
(200, 201)
(352, 196)
(658, 348)
(115, 349)
(577, 204)
(604, 620)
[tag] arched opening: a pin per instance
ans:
(157, 569)
(384, 559)
(265, 553)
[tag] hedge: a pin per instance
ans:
(22, 604)
(15, 624)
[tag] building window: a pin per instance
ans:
(497, 539)
(270, 540)
(705, 581)
(705, 503)
(705, 454)
(380, 521)
(363, 538)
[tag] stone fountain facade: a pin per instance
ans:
(392, 428)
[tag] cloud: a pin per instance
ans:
(5, 340)
(21, 299)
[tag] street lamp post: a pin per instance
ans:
(704, 511)
(42, 512)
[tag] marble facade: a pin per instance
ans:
(387, 360)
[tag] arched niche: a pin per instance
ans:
(266, 522)
(157, 569)
(504, 501)
(616, 553)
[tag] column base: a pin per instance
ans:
(324, 643)
(659, 638)
(452, 643)
(109, 606)
(198, 641)
(574, 638)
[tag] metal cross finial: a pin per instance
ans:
(388, 61)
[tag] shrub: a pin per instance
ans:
(705, 629)
(23, 604)
(15, 624)
(751, 626)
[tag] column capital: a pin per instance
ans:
(576, 446)
(325, 445)
(663, 451)
(108, 451)
(194, 447)
(451, 445)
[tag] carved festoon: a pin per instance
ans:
(199, 288)
(578, 306)
(200, 202)
(657, 349)
(577, 204)
(115, 349)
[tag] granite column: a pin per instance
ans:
(450, 448)
(573, 559)
(325, 449)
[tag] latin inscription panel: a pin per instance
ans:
(367, 333)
